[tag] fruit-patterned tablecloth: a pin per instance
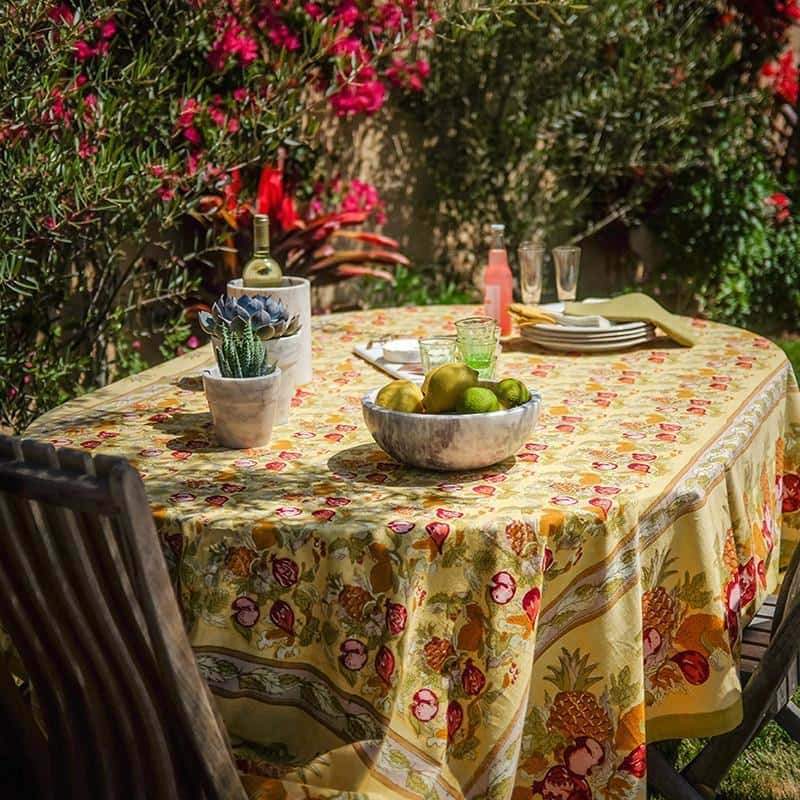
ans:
(527, 626)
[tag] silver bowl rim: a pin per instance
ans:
(368, 401)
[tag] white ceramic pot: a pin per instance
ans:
(243, 409)
(284, 353)
(295, 293)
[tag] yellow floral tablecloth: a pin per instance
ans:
(513, 632)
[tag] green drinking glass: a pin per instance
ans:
(478, 339)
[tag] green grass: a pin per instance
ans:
(768, 770)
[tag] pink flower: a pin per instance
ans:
(193, 342)
(314, 11)
(86, 150)
(108, 29)
(789, 9)
(192, 135)
(347, 13)
(165, 193)
(61, 14)
(240, 94)
(83, 50)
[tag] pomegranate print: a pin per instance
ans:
(693, 665)
(438, 531)
(182, 497)
(446, 513)
(652, 641)
(486, 491)
(400, 526)
(455, 716)
(335, 502)
(384, 664)
(762, 574)
(282, 616)
(275, 466)
(547, 559)
(472, 679)
(502, 587)
(246, 612)
(232, 488)
(584, 755)
(217, 500)
(603, 503)
(531, 603)
(288, 511)
(285, 571)
(560, 784)
(791, 493)
(396, 616)
(747, 581)
(353, 654)
(425, 705)
(606, 491)
(637, 466)
(325, 514)
(636, 762)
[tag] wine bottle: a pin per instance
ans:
(262, 270)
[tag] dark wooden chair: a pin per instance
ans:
(770, 671)
(87, 602)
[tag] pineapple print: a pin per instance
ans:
(729, 557)
(437, 651)
(519, 534)
(239, 560)
(353, 600)
(575, 711)
(659, 609)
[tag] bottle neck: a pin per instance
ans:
(261, 235)
(498, 239)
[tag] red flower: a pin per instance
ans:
(782, 75)
(780, 202)
(272, 199)
(396, 616)
(789, 9)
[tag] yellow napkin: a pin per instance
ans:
(636, 307)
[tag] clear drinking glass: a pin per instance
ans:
(568, 264)
(531, 262)
(437, 350)
(478, 341)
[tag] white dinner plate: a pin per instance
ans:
(597, 347)
(534, 332)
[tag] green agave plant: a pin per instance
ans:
(239, 328)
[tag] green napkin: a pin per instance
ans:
(635, 307)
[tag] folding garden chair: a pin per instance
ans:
(770, 670)
(88, 604)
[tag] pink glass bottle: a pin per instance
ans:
(498, 282)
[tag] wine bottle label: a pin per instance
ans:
(491, 301)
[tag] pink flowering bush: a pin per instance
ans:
(116, 117)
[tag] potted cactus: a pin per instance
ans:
(246, 388)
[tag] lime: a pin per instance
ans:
(478, 400)
(401, 396)
(511, 392)
(445, 385)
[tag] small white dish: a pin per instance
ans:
(401, 351)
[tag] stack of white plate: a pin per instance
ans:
(589, 339)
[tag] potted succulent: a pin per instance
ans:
(245, 389)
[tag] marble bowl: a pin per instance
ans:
(453, 442)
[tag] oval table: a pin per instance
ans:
(373, 628)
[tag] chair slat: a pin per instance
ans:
(88, 602)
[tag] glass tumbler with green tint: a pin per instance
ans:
(437, 350)
(478, 341)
